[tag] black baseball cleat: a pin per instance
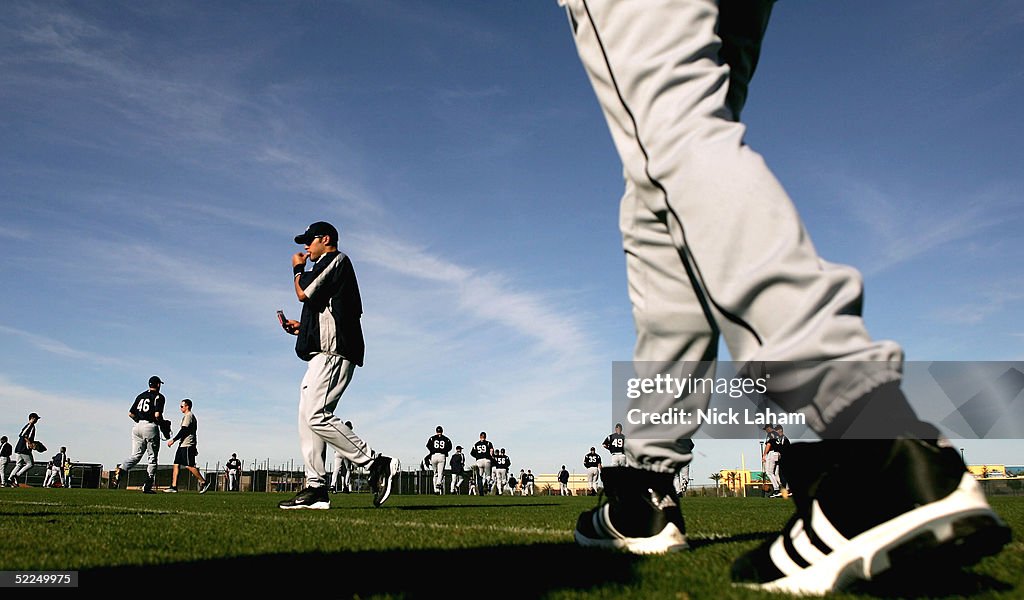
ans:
(12, 481)
(206, 486)
(382, 471)
(933, 513)
(147, 488)
(641, 515)
(310, 497)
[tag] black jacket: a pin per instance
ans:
(332, 310)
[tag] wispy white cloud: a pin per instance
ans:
(14, 233)
(898, 229)
(59, 348)
(990, 300)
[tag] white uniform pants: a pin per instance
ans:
(528, 491)
(565, 489)
(232, 480)
(341, 478)
(594, 477)
(145, 440)
(713, 244)
(325, 381)
(53, 473)
(437, 461)
(457, 479)
(483, 474)
(619, 459)
(500, 480)
(771, 467)
(3, 470)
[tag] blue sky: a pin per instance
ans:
(156, 160)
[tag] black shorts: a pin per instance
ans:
(185, 456)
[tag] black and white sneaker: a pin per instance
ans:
(12, 481)
(641, 515)
(933, 509)
(171, 490)
(382, 470)
(310, 497)
(206, 486)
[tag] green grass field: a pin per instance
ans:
(431, 546)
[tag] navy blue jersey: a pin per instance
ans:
(563, 476)
(502, 462)
(147, 405)
(482, 449)
(28, 431)
(615, 443)
(457, 462)
(5, 450)
(233, 464)
(332, 310)
(439, 444)
(591, 460)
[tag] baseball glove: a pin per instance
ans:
(38, 446)
(165, 428)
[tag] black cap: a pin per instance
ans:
(318, 228)
(458, 447)
(34, 416)
(154, 380)
(439, 429)
(768, 427)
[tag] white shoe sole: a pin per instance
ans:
(395, 466)
(669, 539)
(315, 506)
(868, 554)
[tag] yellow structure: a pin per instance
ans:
(987, 471)
(743, 481)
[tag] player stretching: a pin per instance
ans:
(330, 340)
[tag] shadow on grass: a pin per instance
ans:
(409, 573)
(930, 581)
(500, 505)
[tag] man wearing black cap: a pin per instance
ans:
(457, 466)
(24, 447)
(439, 446)
(330, 339)
(148, 413)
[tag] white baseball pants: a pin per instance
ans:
(145, 440)
(325, 381)
(713, 244)
(437, 461)
(594, 476)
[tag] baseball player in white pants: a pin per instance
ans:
(439, 446)
(714, 247)
(330, 338)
